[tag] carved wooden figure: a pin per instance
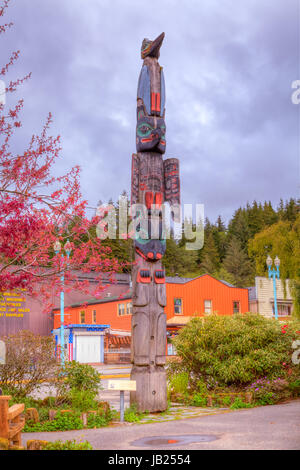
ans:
(154, 181)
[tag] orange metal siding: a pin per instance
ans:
(192, 293)
(106, 314)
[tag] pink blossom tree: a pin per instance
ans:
(37, 208)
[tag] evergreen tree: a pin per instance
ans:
(255, 218)
(220, 224)
(178, 260)
(238, 227)
(269, 215)
(238, 264)
(210, 260)
(291, 209)
(220, 237)
(120, 247)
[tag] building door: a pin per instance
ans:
(89, 348)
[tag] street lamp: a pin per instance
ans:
(274, 273)
(68, 249)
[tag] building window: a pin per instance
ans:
(284, 310)
(94, 316)
(207, 306)
(236, 306)
(171, 349)
(129, 308)
(121, 309)
(82, 316)
(178, 306)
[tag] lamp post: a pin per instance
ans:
(57, 248)
(274, 273)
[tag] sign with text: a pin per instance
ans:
(126, 385)
(12, 305)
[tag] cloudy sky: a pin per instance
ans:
(228, 66)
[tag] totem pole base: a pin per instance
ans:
(151, 389)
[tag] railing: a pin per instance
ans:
(11, 422)
(117, 356)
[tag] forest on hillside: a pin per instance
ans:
(235, 252)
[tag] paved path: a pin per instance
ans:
(266, 427)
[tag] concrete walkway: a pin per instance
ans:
(266, 427)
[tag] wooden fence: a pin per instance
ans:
(11, 421)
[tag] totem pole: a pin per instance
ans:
(153, 182)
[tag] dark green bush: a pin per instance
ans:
(266, 398)
(269, 391)
(61, 422)
(83, 400)
(77, 385)
(234, 350)
(226, 401)
(131, 415)
(178, 383)
(82, 377)
(198, 400)
(68, 445)
(295, 387)
(96, 421)
(239, 403)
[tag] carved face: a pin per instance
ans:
(150, 133)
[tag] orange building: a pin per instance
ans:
(110, 317)
(204, 295)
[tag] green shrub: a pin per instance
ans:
(202, 387)
(266, 398)
(295, 387)
(96, 421)
(199, 400)
(131, 415)
(83, 400)
(234, 350)
(239, 403)
(269, 391)
(29, 402)
(226, 401)
(178, 383)
(43, 414)
(68, 445)
(61, 422)
(82, 377)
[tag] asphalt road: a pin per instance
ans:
(274, 427)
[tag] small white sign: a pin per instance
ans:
(125, 385)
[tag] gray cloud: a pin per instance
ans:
(228, 67)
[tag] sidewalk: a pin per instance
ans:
(273, 427)
(110, 371)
